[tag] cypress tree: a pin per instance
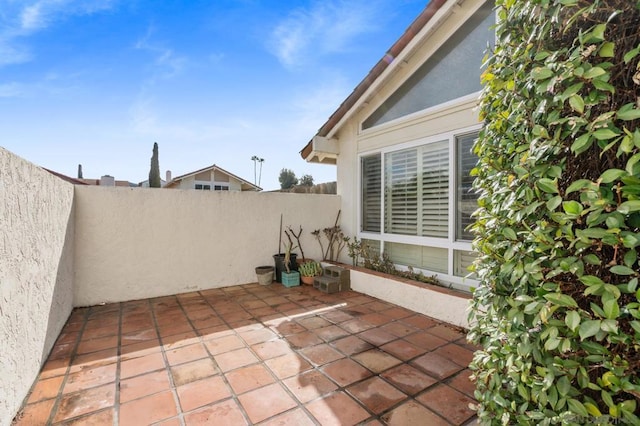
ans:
(154, 173)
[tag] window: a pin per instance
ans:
(371, 193)
(414, 193)
(466, 198)
(221, 187)
(203, 186)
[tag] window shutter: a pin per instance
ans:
(401, 192)
(371, 193)
(435, 190)
(466, 198)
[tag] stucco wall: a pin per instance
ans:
(442, 304)
(36, 273)
(140, 243)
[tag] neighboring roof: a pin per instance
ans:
(175, 180)
(65, 177)
(416, 26)
(120, 183)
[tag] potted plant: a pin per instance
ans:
(308, 270)
(279, 258)
(290, 278)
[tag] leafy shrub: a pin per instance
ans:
(557, 308)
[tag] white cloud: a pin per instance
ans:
(167, 63)
(324, 28)
(19, 20)
(11, 90)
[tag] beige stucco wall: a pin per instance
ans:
(443, 305)
(139, 243)
(36, 273)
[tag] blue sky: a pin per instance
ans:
(97, 82)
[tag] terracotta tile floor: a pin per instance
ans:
(254, 355)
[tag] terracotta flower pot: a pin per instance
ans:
(307, 280)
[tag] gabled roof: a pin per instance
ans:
(213, 167)
(376, 72)
(67, 178)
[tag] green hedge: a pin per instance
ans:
(557, 308)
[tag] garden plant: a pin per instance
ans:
(556, 312)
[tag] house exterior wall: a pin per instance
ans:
(36, 273)
(146, 243)
(457, 115)
(206, 177)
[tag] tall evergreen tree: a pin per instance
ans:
(154, 173)
(79, 171)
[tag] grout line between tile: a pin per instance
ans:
(56, 405)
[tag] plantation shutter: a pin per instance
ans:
(371, 193)
(466, 198)
(401, 192)
(435, 190)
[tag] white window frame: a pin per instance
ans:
(450, 243)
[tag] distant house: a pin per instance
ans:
(66, 178)
(108, 180)
(212, 178)
(402, 142)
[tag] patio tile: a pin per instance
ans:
(310, 385)
(351, 345)
(345, 372)
(103, 417)
(295, 417)
(376, 394)
(412, 413)
(184, 338)
(45, 389)
(287, 365)
(192, 371)
(98, 344)
(462, 383)
(249, 378)
(436, 365)
(86, 401)
(403, 350)
(408, 379)
(321, 354)
(376, 360)
(304, 339)
(138, 336)
(260, 404)
(337, 409)
(235, 359)
(35, 414)
(314, 322)
(330, 333)
(397, 312)
(399, 329)
(238, 332)
(186, 354)
(356, 325)
(89, 378)
(425, 340)
(144, 385)
(141, 365)
(54, 368)
(376, 319)
(223, 413)
(420, 321)
(446, 332)
(449, 403)
(62, 350)
(224, 344)
(257, 336)
(271, 349)
(148, 410)
(289, 327)
(456, 353)
(202, 392)
(377, 336)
